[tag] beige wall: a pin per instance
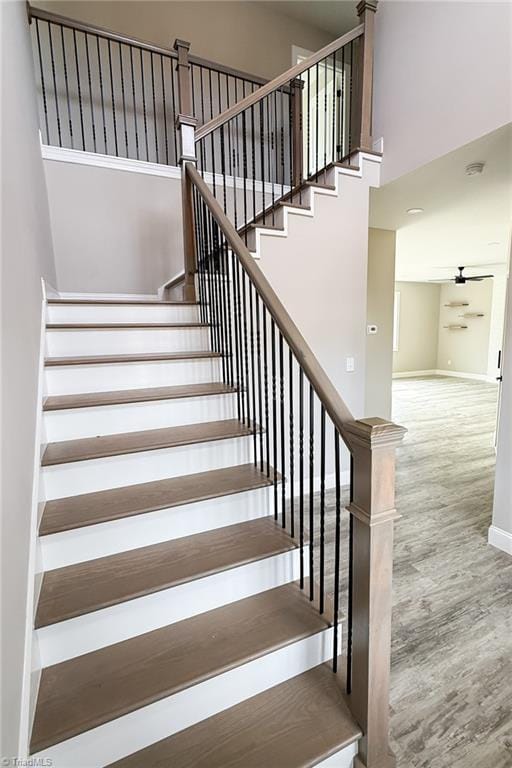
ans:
(26, 257)
(261, 45)
(442, 78)
(467, 350)
(419, 327)
(380, 296)
(114, 231)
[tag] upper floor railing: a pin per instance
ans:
(115, 95)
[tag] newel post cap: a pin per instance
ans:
(181, 44)
(374, 433)
(366, 5)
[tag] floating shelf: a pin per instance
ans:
(455, 327)
(473, 314)
(458, 304)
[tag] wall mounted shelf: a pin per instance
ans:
(473, 314)
(455, 327)
(457, 304)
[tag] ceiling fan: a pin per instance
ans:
(462, 279)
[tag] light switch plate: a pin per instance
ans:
(350, 365)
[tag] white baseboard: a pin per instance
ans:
(107, 296)
(439, 372)
(412, 374)
(500, 539)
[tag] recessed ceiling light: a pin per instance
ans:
(413, 211)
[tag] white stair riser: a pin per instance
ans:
(74, 379)
(342, 759)
(125, 735)
(121, 342)
(74, 423)
(115, 313)
(98, 629)
(76, 477)
(93, 541)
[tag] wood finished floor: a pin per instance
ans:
(451, 687)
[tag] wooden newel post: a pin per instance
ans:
(366, 11)
(297, 86)
(372, 443)
(186, 127)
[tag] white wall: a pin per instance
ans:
(114, 231)
(26, 257)
(465, 350)
(442, 78)
(418, 327)
(380, 299)
(500, 533)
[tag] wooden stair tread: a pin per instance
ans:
(84, 692)
(86, 448)
(123, 396)
(121, 326)
(90, 586)
(101, 506)
(121, 302)
(292, 725)
(136, 357)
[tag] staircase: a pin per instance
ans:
(170, 626)
(204, 597)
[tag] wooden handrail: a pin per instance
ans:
(284, 79)
(324, 388)
(107, 34)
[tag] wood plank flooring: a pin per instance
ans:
(451, 683)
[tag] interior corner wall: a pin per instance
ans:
(231, 33)
(442, 78)
(418, 327)
(26, 258)
(466, 350)
(502, 510)
(114, 231)
(379, 312)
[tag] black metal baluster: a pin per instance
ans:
(282, 152)
(164, 105)
(274, 412)
(111, 94)
(244, 169)
(281, 424)
(333, 105)
(241, 377)
(322, 509)
(262, 158)
(55, 91)
(308, 132)
(234, 126)
(301, 474)
(265, 379)
(317, 127)
(260, 393)
(223, 167)
(43, 87)
(154, 105)
(311, 489)
(134, 104)
(292, 447)
(144, 104)
(212, 133)
(226, 314)
(121, 71)
(229, 312)
(342, 105)
(253, 373)
(253, 163)
(325, 117)
(246, 353)
(66, 85)
(80, 92)
(291, 117)
(105, 141)
(236, 303)
(91, 101)
(350, 119)
(350, 585)
(337, 545)
(173, 121)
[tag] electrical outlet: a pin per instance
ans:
(350, 365)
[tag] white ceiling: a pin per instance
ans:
(332, 16)
(462, 214)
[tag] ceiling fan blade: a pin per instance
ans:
(446, 280)
(477, 277)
